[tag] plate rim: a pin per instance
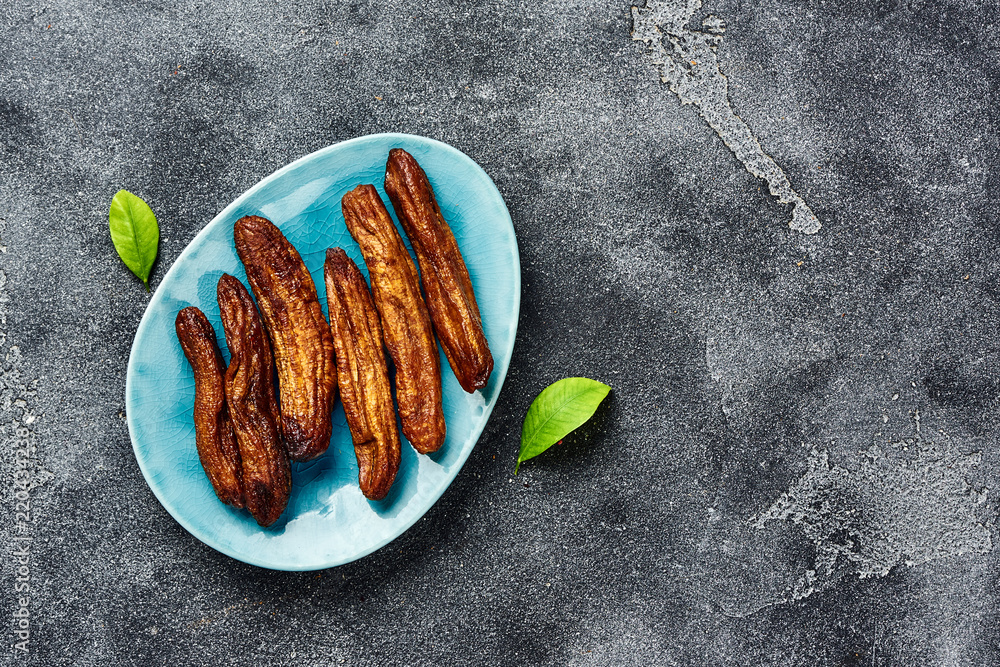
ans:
(251, 559)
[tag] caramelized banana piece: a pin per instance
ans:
(300, 336)
(450, 298)
(213, 433)
(253, 406)
(405, 320)
(363, 376)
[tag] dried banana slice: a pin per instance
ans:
(213, 431)
(450, 298)
(300, 335)
(253, 405)
(362, 373)
(409, 336)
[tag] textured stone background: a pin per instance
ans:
(756, 490)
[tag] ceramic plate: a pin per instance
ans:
(328, 521)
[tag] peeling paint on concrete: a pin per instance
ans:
(907, 503)
(900, 503)
(744, 361)
(687, 61)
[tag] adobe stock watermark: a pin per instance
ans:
(24, 481)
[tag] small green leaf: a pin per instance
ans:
(135, 233)
(560, 409)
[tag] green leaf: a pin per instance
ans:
(135, 233)
(560, 409)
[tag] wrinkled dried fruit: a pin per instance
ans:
(362, 373)
(300, 335)
(450, 298)
(253, 406)
(405, 320)
(213, 432)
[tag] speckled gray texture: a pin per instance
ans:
(765, 382)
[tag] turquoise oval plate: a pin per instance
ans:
(328, 521)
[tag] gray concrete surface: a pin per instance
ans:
(798, 463)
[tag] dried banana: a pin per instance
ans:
(362, 373)
(253, 406)
(406, 323)
(213, 431)
(450, 298)
(300, 335)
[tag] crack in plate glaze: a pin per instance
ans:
(328, 521)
